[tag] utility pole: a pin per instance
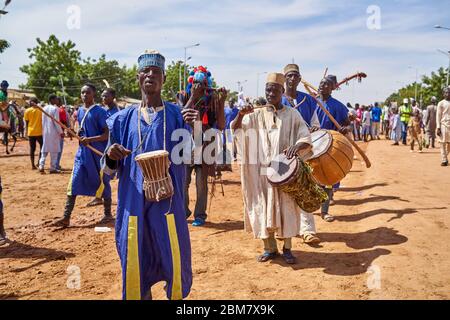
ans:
(63, 90)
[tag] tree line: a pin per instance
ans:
(57, 67)
(430, 86)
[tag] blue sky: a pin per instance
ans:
(239, 39)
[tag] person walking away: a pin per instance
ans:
(430, 124)
(376, 121)
(443, 125)
(33, 123)
(405, 115)
(52, 135)
(415, 130)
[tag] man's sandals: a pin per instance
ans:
(95, 202)
(266, 256)
(310, 239)
(3, 240)
(287, 256)
(61, 223)
(327, 217)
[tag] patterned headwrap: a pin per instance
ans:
(200, 74)
(151, 58)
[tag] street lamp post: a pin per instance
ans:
(257, 82)
(441, 27)
(179, 76)
(185, 54)
(448, 70)
(240, 83)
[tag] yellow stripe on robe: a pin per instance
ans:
(133, 279)
(69, 187)
(100, 189)
(176, 258)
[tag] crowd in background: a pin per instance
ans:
(399, 124)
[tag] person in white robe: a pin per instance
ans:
(51, 134)
(443, 126)
(261, 135)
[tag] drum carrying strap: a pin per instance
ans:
(149, 122)
(85, 115)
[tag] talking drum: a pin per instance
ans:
(155, 169)
(294, 178)
(332, 157)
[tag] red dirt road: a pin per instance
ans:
(390, 239)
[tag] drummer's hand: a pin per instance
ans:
(117, 152)
(247, 109)
(314, 129)
(223, 93)
(197, 91)
(190, 115)
(439, 132)
(294, 150)
(84, 141)
(344, 130)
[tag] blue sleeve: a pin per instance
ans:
(102, 116)
(114, 124)
(341, 114)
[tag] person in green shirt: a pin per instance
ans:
(405, 115)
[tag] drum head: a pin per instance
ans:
(321, 141)
(281, 169)
(152, 154)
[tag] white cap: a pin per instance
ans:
(406, 100)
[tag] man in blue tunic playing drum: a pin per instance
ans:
(152, 235)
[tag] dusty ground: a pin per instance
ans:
(390, 240)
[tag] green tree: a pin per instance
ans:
(431, 86)
(172, 84)
(3, 45)
(434, 85)
(53, 61)
(130, 85)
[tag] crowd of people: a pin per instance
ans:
(152, 236)
(410, 124)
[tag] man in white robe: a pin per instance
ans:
(443, 125)
(51, 133)
(269, 212)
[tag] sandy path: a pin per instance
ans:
(390, 239)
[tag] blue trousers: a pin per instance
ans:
(404, 131)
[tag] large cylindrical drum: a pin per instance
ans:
(332, 157)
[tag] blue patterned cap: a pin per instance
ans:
(151, 58)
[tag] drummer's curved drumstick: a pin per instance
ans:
(338, 126)
(68, 130)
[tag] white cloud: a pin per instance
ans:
(241, 38)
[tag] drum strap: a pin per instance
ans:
(149, 122)
(85, 115)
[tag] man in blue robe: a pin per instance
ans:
(231, 113)
(340, 112)
(303, 102)
(87, 176)
(152, 238)
(111, 108)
